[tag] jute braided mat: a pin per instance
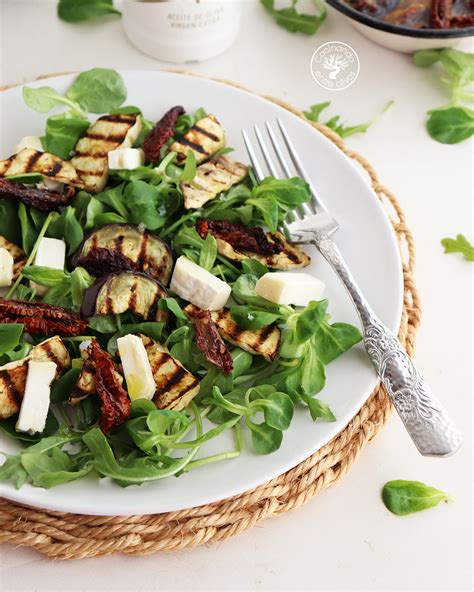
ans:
(71, 536)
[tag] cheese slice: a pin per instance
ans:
(35, 405)
(290, 288)
(126, 158)
(51, 253)
(6, 268)
(136, 368)
(198, 286)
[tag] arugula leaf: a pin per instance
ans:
(62, 133)
(10, 335)
(406, 497)
(172, 305)
(12, 470)
(45, 276)
(28, 232)
(460, 244)
(340, 128)
(26, 178)
(98, 90)
(450, 125)
(208, 254)
(75, 11)
(61, 389)
(142, 201)
(9, 227)
(292, 20)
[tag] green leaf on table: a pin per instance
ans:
(296, 22)
(76, 11)
(450, 125)
(340, 128)
(460, 244)
(406, 497)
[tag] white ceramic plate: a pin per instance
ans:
(366, 239)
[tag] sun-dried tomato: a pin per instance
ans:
(41, 199)
(239, 236)
(115, 400)
(41, 318)
(100, 260)
(210, 342)
(161, 133)
(441, 11)
(466, 20)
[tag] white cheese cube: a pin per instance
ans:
(136, 368)
(6, 268)
(283, 287)
(35, 405)
(33, 142)
(126, 158)
(51, 253)
(198, 286)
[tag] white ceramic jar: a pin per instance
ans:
(182, 30)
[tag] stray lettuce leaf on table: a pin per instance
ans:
(454, 122)
(461, 245)
(342, 129)
(296, 22)
(403, 497)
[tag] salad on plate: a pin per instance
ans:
(149, 297)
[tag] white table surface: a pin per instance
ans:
(344, 539)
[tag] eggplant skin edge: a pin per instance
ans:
(122, 247)
(131, 297)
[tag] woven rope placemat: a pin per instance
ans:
(71, 536)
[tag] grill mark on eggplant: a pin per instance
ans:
(204, 132)
(120, 117)
(171, 381)
(32, 160)
(193, 145)
(12, 389)
(89, 173)
(132, 300)
(57, 166)
(264, 333)
(181, 393)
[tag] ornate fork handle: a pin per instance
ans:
(429, 425)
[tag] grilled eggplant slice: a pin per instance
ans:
(86, 384)
(212, 178)
(205, 138)
(288, 256)
(119, 247)
(46, 164)
(175, 386)
(108, 133)
(261, 342)
(125, 291)
(19, 257)
(13, 375)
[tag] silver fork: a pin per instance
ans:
(428, 424)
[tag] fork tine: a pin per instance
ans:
(266, 154)
(305, 208)
(256, 165)
(299, 166)
(253, 157)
